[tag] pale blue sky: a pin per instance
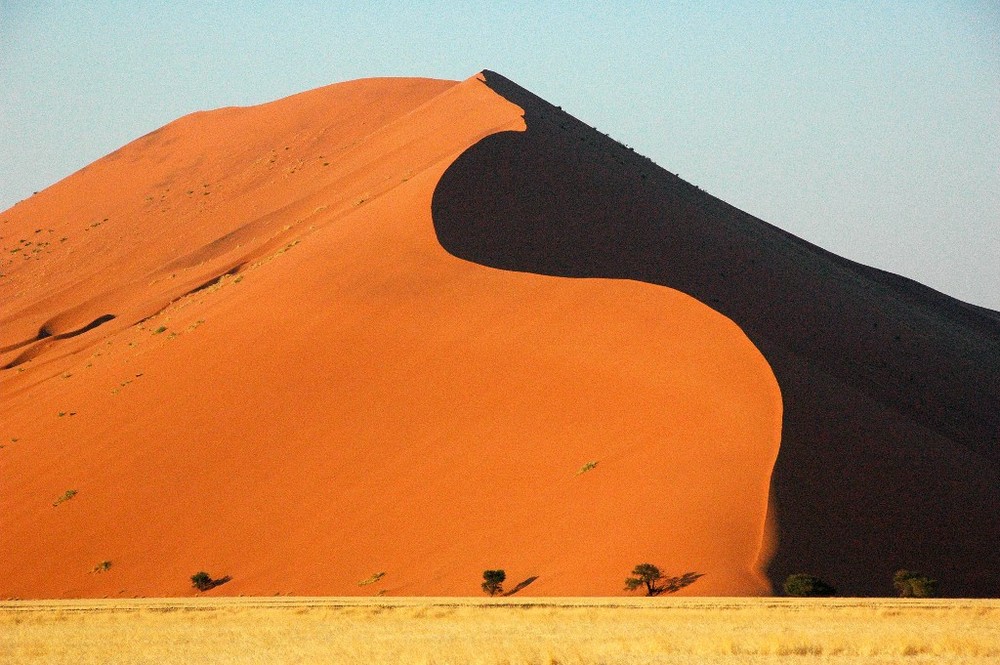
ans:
(869, 128)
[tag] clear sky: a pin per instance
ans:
(869, 128)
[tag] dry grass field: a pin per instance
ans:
(539, 630)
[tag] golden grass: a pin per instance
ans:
(538, 630)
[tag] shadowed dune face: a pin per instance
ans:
(889, 454)
(252, 356)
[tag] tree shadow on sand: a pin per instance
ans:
(521, 585)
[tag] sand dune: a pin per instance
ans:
(237, 345)
(428, 328)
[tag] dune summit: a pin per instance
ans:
(426, 328)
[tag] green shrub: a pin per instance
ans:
(493, 581)
(910, 584)
(807, 586)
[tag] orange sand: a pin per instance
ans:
(300, 387)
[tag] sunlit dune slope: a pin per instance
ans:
(237, 345)
(890, 447)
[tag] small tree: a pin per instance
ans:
(202, 581)
(806, 586)
(493, 581)
(648, 575)
(910, 584)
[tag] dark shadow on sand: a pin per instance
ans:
(889, 454)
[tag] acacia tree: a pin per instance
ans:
(649, 576)
(910, 584)
(493, 581)
(202, 581)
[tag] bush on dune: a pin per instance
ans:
(911, 584)
(493, 581)
(806, 586)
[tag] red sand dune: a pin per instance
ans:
(241, 342)
(382, 325)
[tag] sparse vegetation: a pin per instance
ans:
(493, 581)
(102, 567)
(589, 466)
(806, 586)
(375, 577)
(649, 576)
(619, 631)
(911, 584)
(159, 330)
(202, 581)
(67, 495)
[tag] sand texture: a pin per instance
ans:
(241, 348)
(426, 328)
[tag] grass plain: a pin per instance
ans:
(486, 631)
